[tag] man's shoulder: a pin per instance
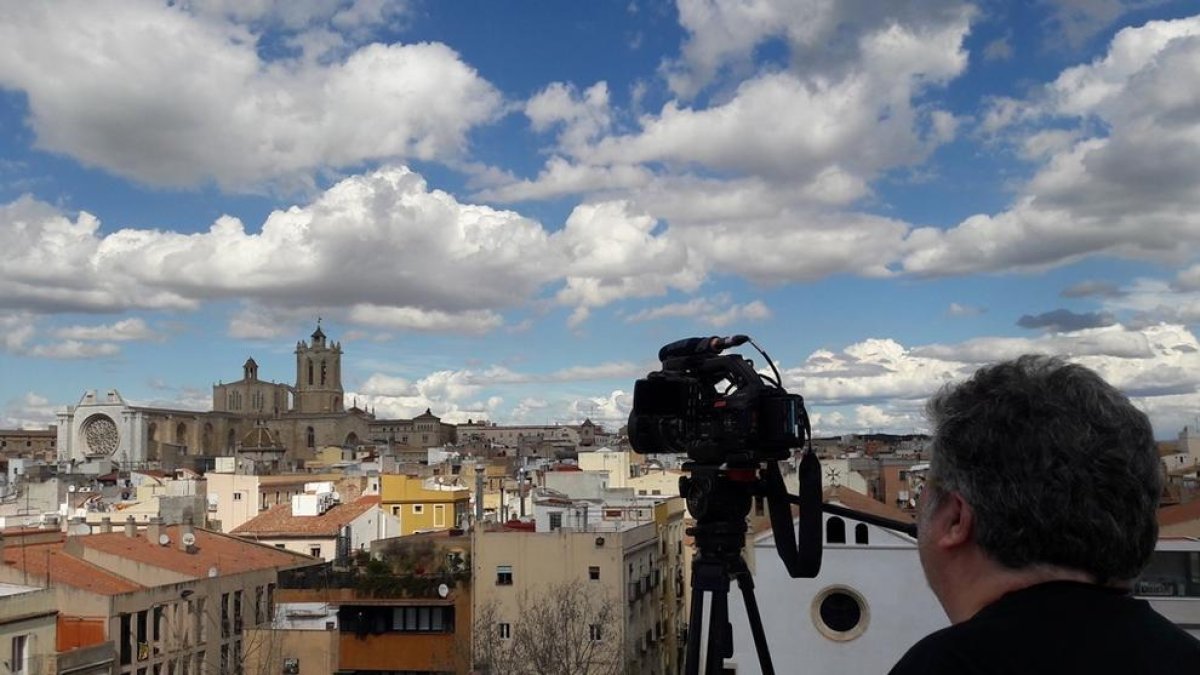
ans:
(938, 652)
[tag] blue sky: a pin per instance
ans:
(503, 209)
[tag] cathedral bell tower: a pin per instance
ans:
(319, 375)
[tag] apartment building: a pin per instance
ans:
(166, 599)
(422, 504)
(235, 498)
(637, 568)
(321, 528)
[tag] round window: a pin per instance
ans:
(840, 613)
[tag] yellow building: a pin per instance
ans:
(424, 504)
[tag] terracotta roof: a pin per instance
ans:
(1179, 513)
(278, 521)
(49, 561)
(860, 502)
(229, 554)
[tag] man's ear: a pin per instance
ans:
(954, 521)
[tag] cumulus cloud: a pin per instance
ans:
(1128, 185)
(74, 349)
(238, 121)
(958, 309)
(718, 311)
(1066, 320)
(883, 384)
(16, 330)
(28, 411)
(122, 331)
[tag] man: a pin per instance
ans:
(1037, 515)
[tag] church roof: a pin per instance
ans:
(318, 334)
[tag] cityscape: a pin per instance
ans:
(321, 322)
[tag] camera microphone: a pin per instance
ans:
(698, 346)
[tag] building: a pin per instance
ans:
(868, 605)
(315, 524)
(300, 417)
(406, 610)
(423, 431)
(164, 599)
(29, 443)
(28, 621)
(236, 498)
(424, 504)
(637, 570)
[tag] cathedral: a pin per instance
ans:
(249, 415)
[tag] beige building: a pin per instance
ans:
(31, 443)
(164, 599)
(235, 498)
(330, 532)
(28, 618)
(639, 568)
(301, 417)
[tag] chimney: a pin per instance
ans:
(154, 529)
(106, 525)
(130, 527)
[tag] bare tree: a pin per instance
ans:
(560, 629)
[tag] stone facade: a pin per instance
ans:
(303, 418)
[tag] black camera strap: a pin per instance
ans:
(800, 550)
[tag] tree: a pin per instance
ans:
(560, 629)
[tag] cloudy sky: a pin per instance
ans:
(502, 209)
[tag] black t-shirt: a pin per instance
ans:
(1056, 628)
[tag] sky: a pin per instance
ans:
(501, 209)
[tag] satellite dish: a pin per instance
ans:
(443, 590)
(213, 571)
(189, 539)
(163, 539)
(71, 488)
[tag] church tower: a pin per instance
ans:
(318, 375)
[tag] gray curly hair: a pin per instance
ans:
(1058, 466)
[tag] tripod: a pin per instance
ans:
(720, 500)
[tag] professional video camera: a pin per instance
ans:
(715, 408)
(736, 426)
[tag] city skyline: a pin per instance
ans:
(502, 211)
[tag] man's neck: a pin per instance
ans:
(991, 581)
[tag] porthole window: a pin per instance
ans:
(840, 613)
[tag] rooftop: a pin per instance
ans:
(278, 521)
(229, 554)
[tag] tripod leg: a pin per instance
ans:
(720, 634)
(746, 584)
(695, 625)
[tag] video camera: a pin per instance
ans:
(715, 408)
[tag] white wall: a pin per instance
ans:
(886, 573)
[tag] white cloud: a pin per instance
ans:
(957, 309)
(16, 330)
(74, 349)
(122, 331)
(582, 116)
(205, 107)
(885, 383)
(416, 319)
(28, 411)
(718, 311)
(1129, 185)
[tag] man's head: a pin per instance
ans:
(1052, 466)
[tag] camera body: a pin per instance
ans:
(680, 409)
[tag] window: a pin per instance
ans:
(556, 520)
(418, 508)
(840, 613)
(237, 496)
(860, 533)
(280, 546)
(423, 619)
(594, 572)
(20, 654)
(439, 515)
(314, 551)
(505, 631)
(594, 632)
(504, 575)
(835, 530)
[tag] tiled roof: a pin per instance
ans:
(48, 561)
(1179, 513)
(860, 502)
(278, 521)
(229, 554)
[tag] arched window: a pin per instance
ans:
(152, 432)
(231, 441)
(180, 433)
(310, 437)
(860, 534)
(322, 373)
(310, 372)
(835, 530)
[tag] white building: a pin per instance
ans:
(868, 605)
